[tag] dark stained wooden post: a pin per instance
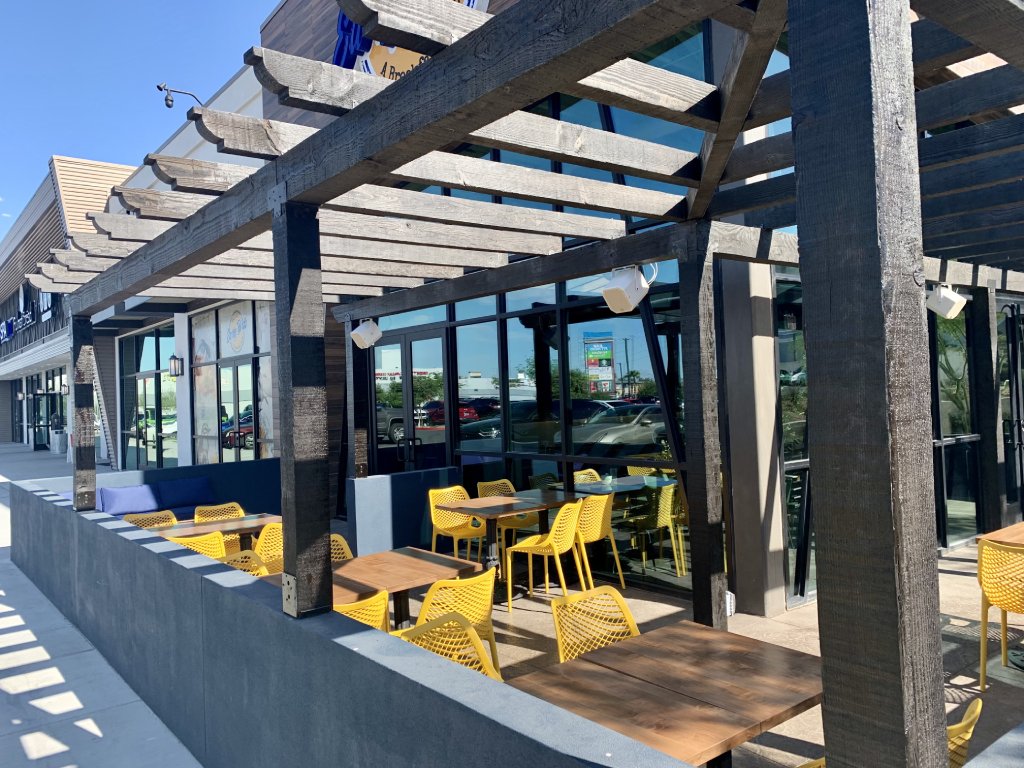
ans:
(302, 397)
(861, 261)
(983, 327)
(701, 438)
(83, 430)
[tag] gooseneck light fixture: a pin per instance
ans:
(169, 95)
(175, 366)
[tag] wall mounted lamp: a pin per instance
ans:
(20, 396)
(65, 390)
(175, 366)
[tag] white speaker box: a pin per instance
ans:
(945, 302)
(626, 288)
(366, 335)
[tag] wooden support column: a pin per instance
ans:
(861, 261)
(302, 402)
(83, 430)
(983, 330)
(701, 440)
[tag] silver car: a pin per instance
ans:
(610, 433)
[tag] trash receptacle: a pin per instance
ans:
(58, 441)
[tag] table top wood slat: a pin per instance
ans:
(526, 501)
(690, 691)
(247, 524)
(1012, 534)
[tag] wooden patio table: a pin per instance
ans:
(687, 690)
(1011, 534)
(490, 509)
(245, 527)
(397, 571)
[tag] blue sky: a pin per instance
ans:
(79, 78)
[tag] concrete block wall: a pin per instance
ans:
(241, 683)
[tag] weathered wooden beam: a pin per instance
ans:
(994, 25)
(736, 16)
(1006, 195)
(83, 375)
(867, 350)
(201, 176)
(299, 368)
(967, 275)
(44, 283)
(973, 222)
(936, 47)
(936, 245)
(235, 134)
(703, 450)
(530, 50)
(737, 87)
(429, 26)
(983, 253)
(973, 175)
(773, 153)
(766, 193)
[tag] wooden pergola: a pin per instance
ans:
(330, 218)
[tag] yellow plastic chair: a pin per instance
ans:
(270, 547)
(1001, 576)
(210, 544)
(668, 516)
(506, 524)
(151, 519)
(453, 637)
(595, 525)
(372, 611)
(247, 561)
(228, 511)
(545, 481)
(591, 620)
(460, 527)
(471, 598)
(958, 738)
(561, 539)
(340, 550)
(586, 476)
(640, 471)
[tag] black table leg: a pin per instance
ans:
(543, 521)
(722, 761)
(245, 541)
(401, 601)
(491, 560)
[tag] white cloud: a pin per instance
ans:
(5, 215)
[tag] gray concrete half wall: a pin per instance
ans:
(241, 683)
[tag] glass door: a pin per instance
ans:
(409, 400)
(43, 406)
(237, 413)
(1011, 394)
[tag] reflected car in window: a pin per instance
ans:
(633, 427)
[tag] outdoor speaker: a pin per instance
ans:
(626, 288)
(366, 335)
(945, 302)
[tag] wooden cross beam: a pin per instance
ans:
(994, 25)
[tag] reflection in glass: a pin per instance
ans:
(479, 391)
(235, 329)
(207, 421)
(533, 384)
(473, 308)
(792, 369)
(168, 430)
(265, 387)
(427, 316)
(529, 298)
(227, 411)
(204, 338)
(953, 378)
(430, 409)
(961, 465)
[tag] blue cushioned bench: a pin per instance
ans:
(180, 496)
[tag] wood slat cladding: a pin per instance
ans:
(105, 351)
(334, 362)
(46, 233)
(83, 186)
(307, 28)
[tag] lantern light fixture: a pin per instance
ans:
(65, 390)
(175, 366)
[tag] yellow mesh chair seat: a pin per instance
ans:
(640, 471)
(228, 511)
(586, 476)
(1001, 576)
(560, 539)
(958, 736)
(595, 524)
(453, 637)
(151, 519)
(270, 546)
(247, 561)
(459, 527)
(471, 598)
(210, 544)
(544, 481)
(814, 764)
(591, 620)
(372, 611)
(340, 550)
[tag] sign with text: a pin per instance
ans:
(356, 51)
(599, 357)
(19, 322)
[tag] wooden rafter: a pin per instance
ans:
(994, 25)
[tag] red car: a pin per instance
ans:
(433, 411)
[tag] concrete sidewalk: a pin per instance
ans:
(61, 703)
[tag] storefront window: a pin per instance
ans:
(149, 413)
(534, 420)
(479, 387)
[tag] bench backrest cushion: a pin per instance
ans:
(129, 499)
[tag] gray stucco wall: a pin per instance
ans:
(240, 683)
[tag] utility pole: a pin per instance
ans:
(629, 368)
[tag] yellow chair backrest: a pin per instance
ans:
(1001, 575)
(586, 476)
(151, 519)
(340, 550)
(450, 495)
(563, 532)
(372, 611)
(596, 518)
(453, 637)
(959, 735)
(591, 620)
(219, 512)
(210, 544)
(640, 471)
(543, 481)
(666, 505)
(270, 546)
(495, 488)
(471, 598)
(247, 561)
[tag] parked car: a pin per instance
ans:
(432, 412)
(390, 423)
(485, 407)
(525, 420)
(240, 434)
(629, 426)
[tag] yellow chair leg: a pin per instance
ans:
(618, 564)
(984, 641)
(586, 565)
(508, 578)
(479, 550)
(561, 576)
(494, 650)
(579, 570)
(529, 573)
(682, 548)
(433, 542)
(675, 550)
(1002, 638)
(547, 578)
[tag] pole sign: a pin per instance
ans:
(356, 51)
(599, 357)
